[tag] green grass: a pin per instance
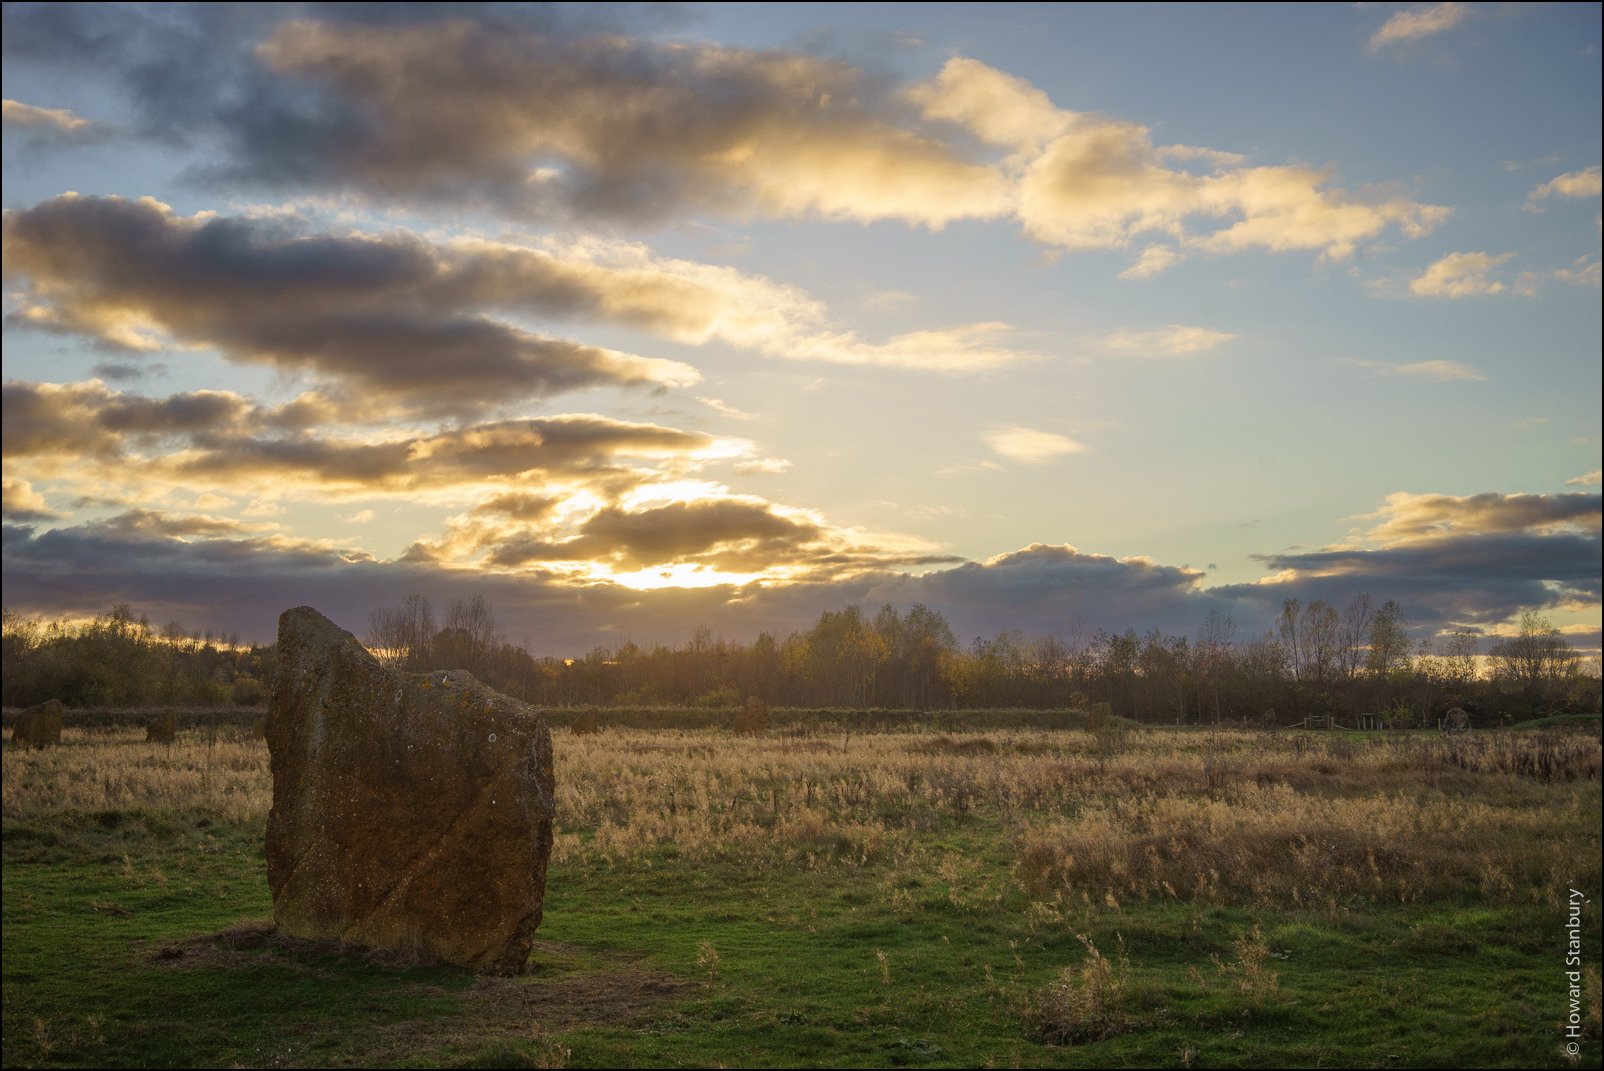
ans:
(101, 967)
(1562, 721)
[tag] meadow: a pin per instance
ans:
(980, 892)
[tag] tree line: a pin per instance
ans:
(122, 660)
(1314, 658)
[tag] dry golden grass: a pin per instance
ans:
(1084, 1003)
(117, 770)
(1238, 817)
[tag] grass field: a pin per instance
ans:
(918, 897)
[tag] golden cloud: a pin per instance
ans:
(1087, 181)
(1460, 275)
(1417, 23)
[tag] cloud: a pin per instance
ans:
(87, 434)
(1465, 580)
(603, 125)
(416, 321)
(1574, 185)
(1044, 588)
(382, 315)
(1459, 275)
(1413, 517)
(1031, 446)
(89, 420)
(1417, 23)
(1152, 260)
(723, 408)
(1450, 559)
(1583, 271)
(1589, 479)
(56, 121)
(730, 534)
(668, 533)
(578, 449)
(20, 502)
(555, 123)
(181, 528)
(1439, 371)
(1086, 181)
(1175, 340)
(766, 465)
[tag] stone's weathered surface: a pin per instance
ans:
(410, 811)
(39, 725)
(1456, 721)
(163, 730)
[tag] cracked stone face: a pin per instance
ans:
(411, 811)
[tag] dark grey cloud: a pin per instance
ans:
(1046, 588)
(678, 532)
(86, 418)
(120, 371)
(581, 446)
(224, 437)
(1471, 579)
(76, 420)
(1455, 560)
(395, 317)
(189, 68)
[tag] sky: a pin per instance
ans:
(639, 319)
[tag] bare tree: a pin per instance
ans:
(401, 637)
(1357, 617)
(1535, 656)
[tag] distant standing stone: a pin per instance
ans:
(411, 811)
(163, 730)
(39, 725)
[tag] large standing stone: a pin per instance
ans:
(39, 725)
(410, 811)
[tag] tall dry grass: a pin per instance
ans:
(1241, 817)
(115, 769)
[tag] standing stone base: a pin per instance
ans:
(410, 811)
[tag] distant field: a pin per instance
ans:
(993, 892)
